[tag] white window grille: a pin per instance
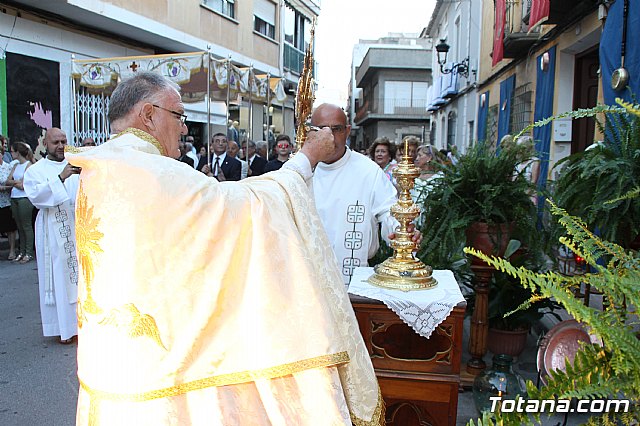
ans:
(90, 117)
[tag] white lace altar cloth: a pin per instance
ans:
(422, 310)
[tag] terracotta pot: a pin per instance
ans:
(491, 240)
(507, 342)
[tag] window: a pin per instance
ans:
(432, 134)
(225, 7)
(92, 118)
(264, 18)
(405, 97)
(451, 129)
(264, 28)
(492, 125)
(297, 28)
(521, 108)
(458, 45)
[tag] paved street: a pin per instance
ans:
(38, 382)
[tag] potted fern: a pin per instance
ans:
(592, 183)
(482, 202)
(610, 370)
(510, 314)
(478, 197)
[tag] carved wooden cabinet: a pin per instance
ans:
(419, 377)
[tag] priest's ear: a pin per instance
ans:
(146, 115)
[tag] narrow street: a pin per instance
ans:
(38, 381)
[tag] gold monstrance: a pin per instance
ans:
(305, 96)
(403, 271)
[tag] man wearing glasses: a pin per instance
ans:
(221, 166)
(352, 196)
(283, 148)
(224, 338)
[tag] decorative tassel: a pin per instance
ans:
(48, 298)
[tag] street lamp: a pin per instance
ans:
(461, 68)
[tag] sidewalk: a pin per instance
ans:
(525, 365)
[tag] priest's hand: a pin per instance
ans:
(319, 146)
(416, 237)
(68, 171)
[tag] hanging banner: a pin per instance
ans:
(102, 75)
(498, 33)
(189, 70)
(539, 13)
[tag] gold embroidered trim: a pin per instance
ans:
(130, 320)
(144, 136)
(88, 242)
(72, 149)
(222, 380)
(378, 415)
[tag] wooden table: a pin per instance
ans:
(419, 377)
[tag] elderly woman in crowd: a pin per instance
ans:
(382, 152)
(427, 160)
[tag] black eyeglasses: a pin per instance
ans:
(181, 117)
(339, 128)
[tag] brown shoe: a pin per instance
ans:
(67, 341)
(18, 258)
(26, 258)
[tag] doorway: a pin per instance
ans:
(585, 95)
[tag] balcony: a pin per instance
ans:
(561, 11)
(517, 39)
(392, 108)
(293, 59)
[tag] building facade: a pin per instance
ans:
(388, 90)
(452, 99)
(536, 65)
(268, 35)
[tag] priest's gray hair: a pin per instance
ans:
(144, 86)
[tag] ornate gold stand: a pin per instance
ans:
(403, 271)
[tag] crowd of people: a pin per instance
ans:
(129, 275)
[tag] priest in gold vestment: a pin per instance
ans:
(207, 303)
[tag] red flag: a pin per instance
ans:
(498, 32)
(539, 12)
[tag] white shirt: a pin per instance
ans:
(352, 196)
(220, 159)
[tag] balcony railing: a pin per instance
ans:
(517, 39)
(410, 108)
(293, 59)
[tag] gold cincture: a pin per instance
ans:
(305, 96)
(403, 271)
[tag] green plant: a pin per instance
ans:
(506, 295)
(592, 183)
(481, 187)
(610, 370)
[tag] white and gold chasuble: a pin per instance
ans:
(207, 303)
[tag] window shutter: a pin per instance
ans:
(265, 10)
